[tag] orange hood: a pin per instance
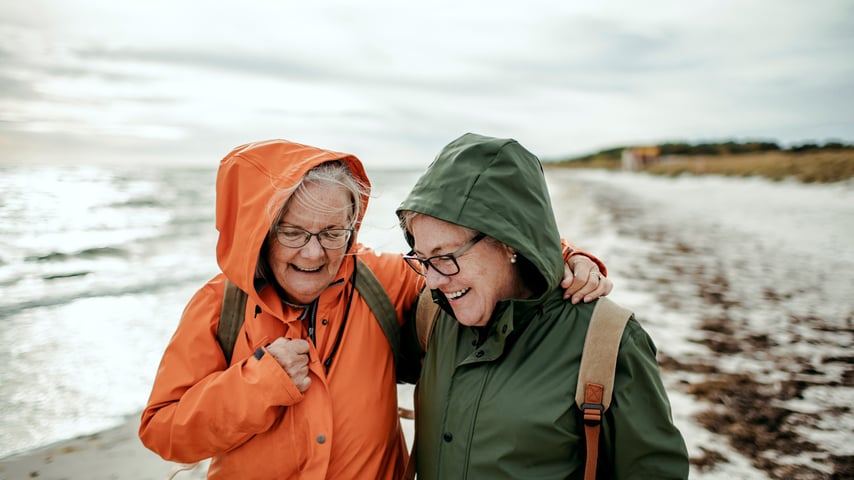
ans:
(247, 179)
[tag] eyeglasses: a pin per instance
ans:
(443, 264)
(329, 238)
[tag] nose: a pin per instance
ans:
(313, 248)
(434, 279)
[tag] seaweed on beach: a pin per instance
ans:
(755, 397)
(751, 412)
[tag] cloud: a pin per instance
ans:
(398, 81)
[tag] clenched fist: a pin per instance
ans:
(292, 355)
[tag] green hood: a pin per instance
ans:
(497, 187)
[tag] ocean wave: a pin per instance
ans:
(154, 286)
(93, 252)
(58, 276)
(137, 203)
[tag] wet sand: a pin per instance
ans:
(115, 454)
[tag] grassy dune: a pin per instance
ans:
(808, 167)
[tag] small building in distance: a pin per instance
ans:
(637, 158)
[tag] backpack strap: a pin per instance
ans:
(596, 374)
(380, 304)
(230, 318)
(426, 313)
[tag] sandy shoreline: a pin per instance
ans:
(114, 454)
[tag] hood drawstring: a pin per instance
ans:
(351, 284)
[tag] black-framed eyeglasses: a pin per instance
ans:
(445, 264)
(329, 238)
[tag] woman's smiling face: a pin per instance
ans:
(305, 272)
(486, 273)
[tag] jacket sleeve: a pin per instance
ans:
(644, 442)
(569, 250)
(198, 408)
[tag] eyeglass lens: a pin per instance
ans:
(296, 237)
(444, 264)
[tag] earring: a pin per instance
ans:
(513, 258)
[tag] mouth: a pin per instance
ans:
(457, 294)
(306, 270)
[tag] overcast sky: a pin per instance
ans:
(170, 81)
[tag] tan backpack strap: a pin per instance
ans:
(596, 374)
(599, 358)
(426, 313)
(230, 318)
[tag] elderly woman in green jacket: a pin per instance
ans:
(496, 392)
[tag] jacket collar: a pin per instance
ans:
(509, 319)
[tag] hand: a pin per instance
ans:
(292, 355)
(583, 281)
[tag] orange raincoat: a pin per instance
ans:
(250, 417)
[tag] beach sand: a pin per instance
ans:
(115, 454)
(118, 454)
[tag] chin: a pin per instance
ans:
(302, 296)
(470, 321)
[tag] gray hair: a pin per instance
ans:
(406, 217)
(335, 173)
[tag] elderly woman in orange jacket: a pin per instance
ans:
(311, 389)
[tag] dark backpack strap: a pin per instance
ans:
(411, 467)
(380, 304)
(230, 318)
(596, 374)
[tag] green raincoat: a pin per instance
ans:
(502, 407)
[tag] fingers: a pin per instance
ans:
(298, 345)
(603, 287)
(589, 286)
(582, 280)
(594, 286)
(304, 384)
(576, 270)
(292, 355)
(571, 283)
(580, 277)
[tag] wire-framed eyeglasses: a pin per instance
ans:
(445, 264)
(329, 238)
